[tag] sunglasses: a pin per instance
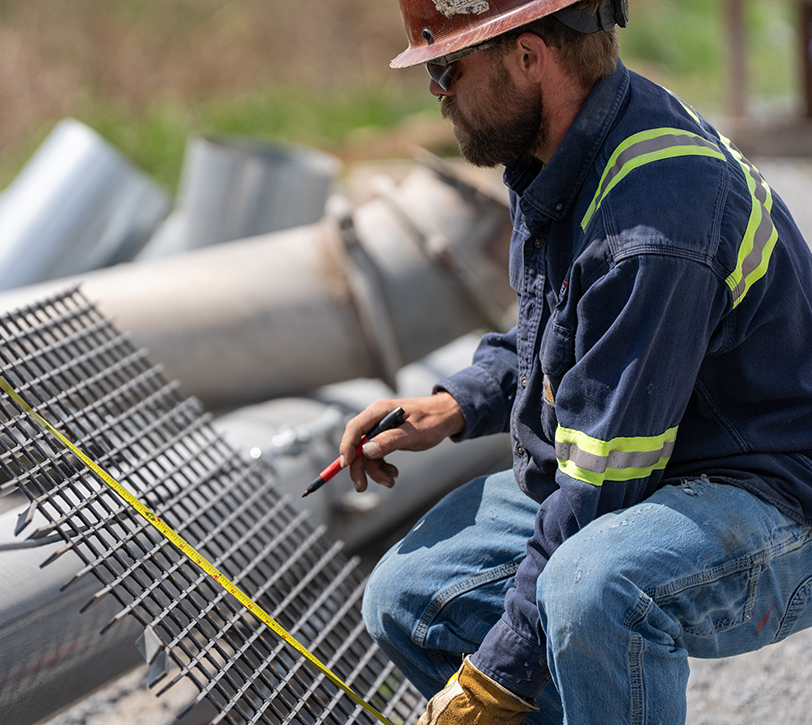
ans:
(443, 71)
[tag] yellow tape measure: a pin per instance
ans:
(190, 553)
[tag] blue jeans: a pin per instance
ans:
(702, 569)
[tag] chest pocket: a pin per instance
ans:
(557, 357)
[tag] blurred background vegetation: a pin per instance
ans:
(148, 73)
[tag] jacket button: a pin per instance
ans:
(519, 449)
(559, 206)
(524, 381)
(537, 243)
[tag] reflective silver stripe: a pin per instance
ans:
(760, 236)
(594, 461)
(646, 147)
(616, 460)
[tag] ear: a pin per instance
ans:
(530, 57)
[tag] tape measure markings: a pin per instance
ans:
(191, 553)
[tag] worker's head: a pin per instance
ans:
(499, 113)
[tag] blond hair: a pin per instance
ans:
(586, 58)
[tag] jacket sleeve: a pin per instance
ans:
(635, 339)
(486, 389)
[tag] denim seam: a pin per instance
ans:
(733, 567)
(441, 662)
(637, 705)
(445, 596)
(639, 612)
(798, 602)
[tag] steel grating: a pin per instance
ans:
(90, 381)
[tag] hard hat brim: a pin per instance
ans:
(478, 31)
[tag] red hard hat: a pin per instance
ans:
(439, 27)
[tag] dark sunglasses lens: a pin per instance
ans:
(443, 75)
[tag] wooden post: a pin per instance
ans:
(737, 72)
(806, 52)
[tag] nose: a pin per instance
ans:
(436, 90)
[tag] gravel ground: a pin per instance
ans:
(768, 686)
(128, 702)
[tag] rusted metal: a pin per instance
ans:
(736, 60)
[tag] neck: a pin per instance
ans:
(563, 100)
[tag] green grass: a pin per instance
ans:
(155, 138)
(680, 43)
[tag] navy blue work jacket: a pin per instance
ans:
(664, 332)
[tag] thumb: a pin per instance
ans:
(372, 449)
(385, 442)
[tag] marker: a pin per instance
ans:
(390, 420)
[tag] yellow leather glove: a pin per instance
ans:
(472, 698)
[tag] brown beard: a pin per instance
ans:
(517, 128)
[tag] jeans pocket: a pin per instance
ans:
(714, 601)
(799, 612)
(478, 600)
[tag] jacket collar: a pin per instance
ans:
(551, 190)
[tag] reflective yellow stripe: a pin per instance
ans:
(621, 459)
(645, 148)
(760, 236)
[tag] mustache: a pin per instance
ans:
(448, 110)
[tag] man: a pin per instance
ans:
(657, 388)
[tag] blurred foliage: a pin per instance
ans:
(147, 74)
(684, 45)
(156, 139)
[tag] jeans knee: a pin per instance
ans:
(373, 606)
(581, 592)
(380, 606)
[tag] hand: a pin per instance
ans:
(472, 698)
(428, 422)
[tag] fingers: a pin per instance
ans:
(360, 424)
(428, 421)
(380, 471)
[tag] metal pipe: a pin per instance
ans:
(299, 436)
(232, 187)
(77, 205)
(51, 654)
(358, 295)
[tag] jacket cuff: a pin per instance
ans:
(515, 663)
(483, 405)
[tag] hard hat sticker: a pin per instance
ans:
(461, 7)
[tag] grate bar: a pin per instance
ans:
(75, 369)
